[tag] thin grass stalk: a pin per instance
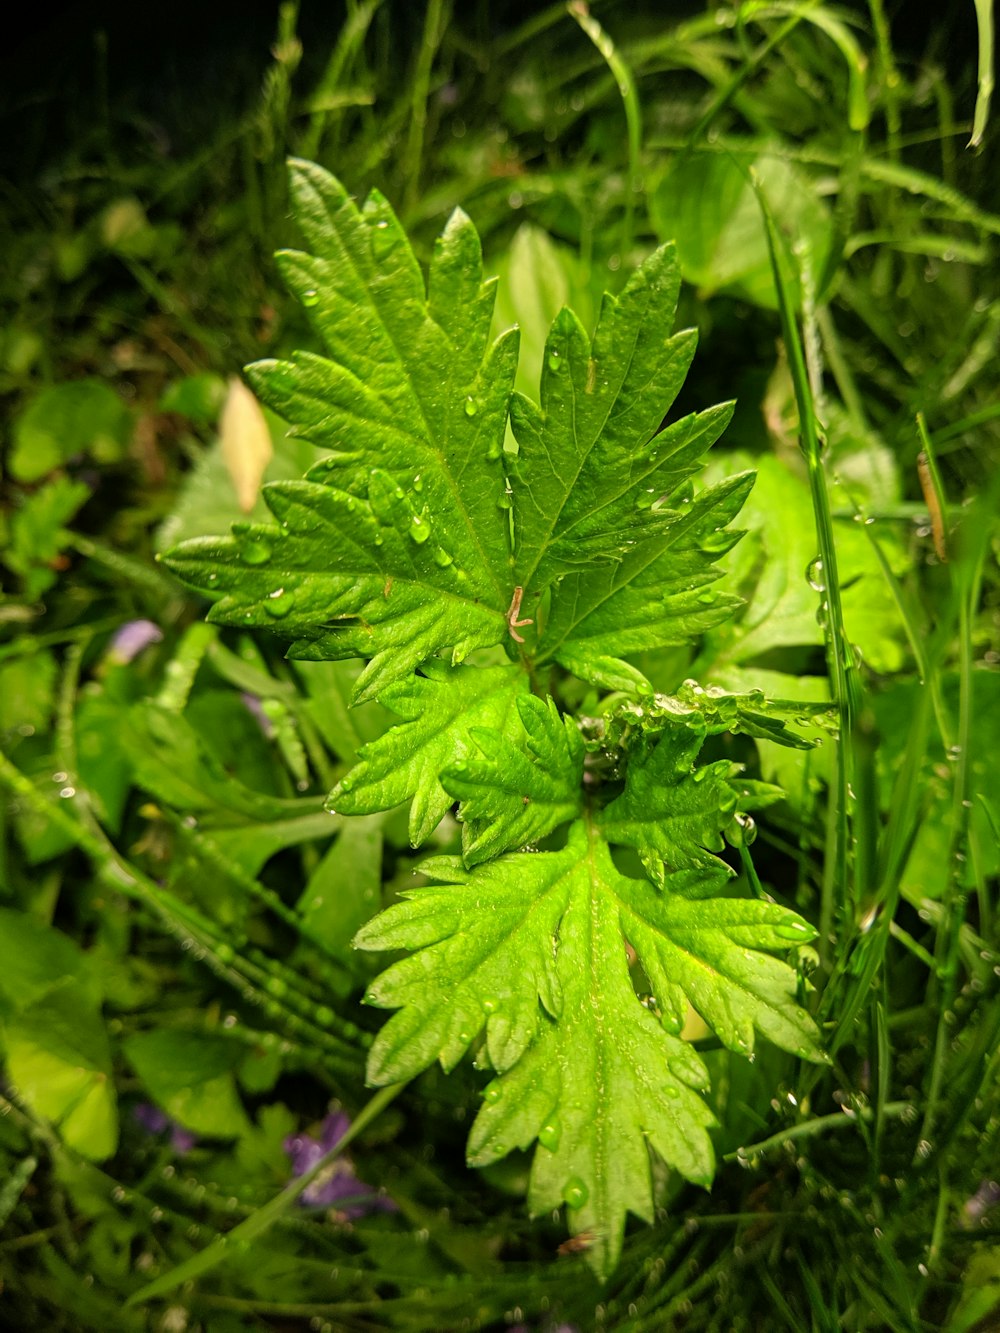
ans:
(839, 659)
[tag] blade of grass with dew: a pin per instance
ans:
(984, 94)
(840, 664)
(633, 110)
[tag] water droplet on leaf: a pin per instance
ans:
(311, 297)
(548, 1135)
(255, 551)
(815, 575)
(419, 529)
(279, 603)
(384, 240)
(575, 1192)
(795, 931)
(471, 407)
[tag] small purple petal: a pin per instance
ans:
(255, 706)
(181, 1139)
(151, 1118)
(333, 1129)
(132, 638)
(336, 1184)
(156, 1121)
(987, 1196)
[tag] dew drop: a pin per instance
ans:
(815, 575)
(575, 1192)
(419, 529)
(255, 551)
(383, 240)
(706, 598)
(418, 483)
(311, 297)
(493, 1093)
(279, 603)
(793, 930)
(548, 1135)
(471, 406)
(554, 362)
(443, 558)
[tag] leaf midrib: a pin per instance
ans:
(428, 433)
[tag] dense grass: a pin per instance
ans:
(859, 331)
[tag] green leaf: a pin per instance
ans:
(776, 563)
(532, 948)
(409, 541)
(397, 546)
(592, 458)
(706, 204)
(514, 795)
(659, 594)
(345, 889)
(671, 811)
(439, 711)
(55, 1044)
(36, 532)
(190, 1075)
(58, 1059)
(173, 763)
(84, 416)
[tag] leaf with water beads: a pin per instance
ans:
(531, 948)
(514, 794)
(440, 712)
(396, 548)
(670, 811)
(347, 577)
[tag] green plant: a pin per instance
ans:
(494, 593)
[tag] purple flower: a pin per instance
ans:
(336, 1183)
(155, 1121)
(132, 638)
(256, 707)
(986, 1197)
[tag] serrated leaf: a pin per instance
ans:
(532, 948)
(397, 549)
(594, 446)
(398, 546)
(439, 711)
(658, 594)
(345, 577)
(714, 710)
(705, 952)
(513, 794)
(670, 811)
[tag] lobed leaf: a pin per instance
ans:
(441, 711)
(514, 795)
(531, 949)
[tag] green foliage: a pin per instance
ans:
(85, 416)
(420, 538)
(177, 906)
(530, 947)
